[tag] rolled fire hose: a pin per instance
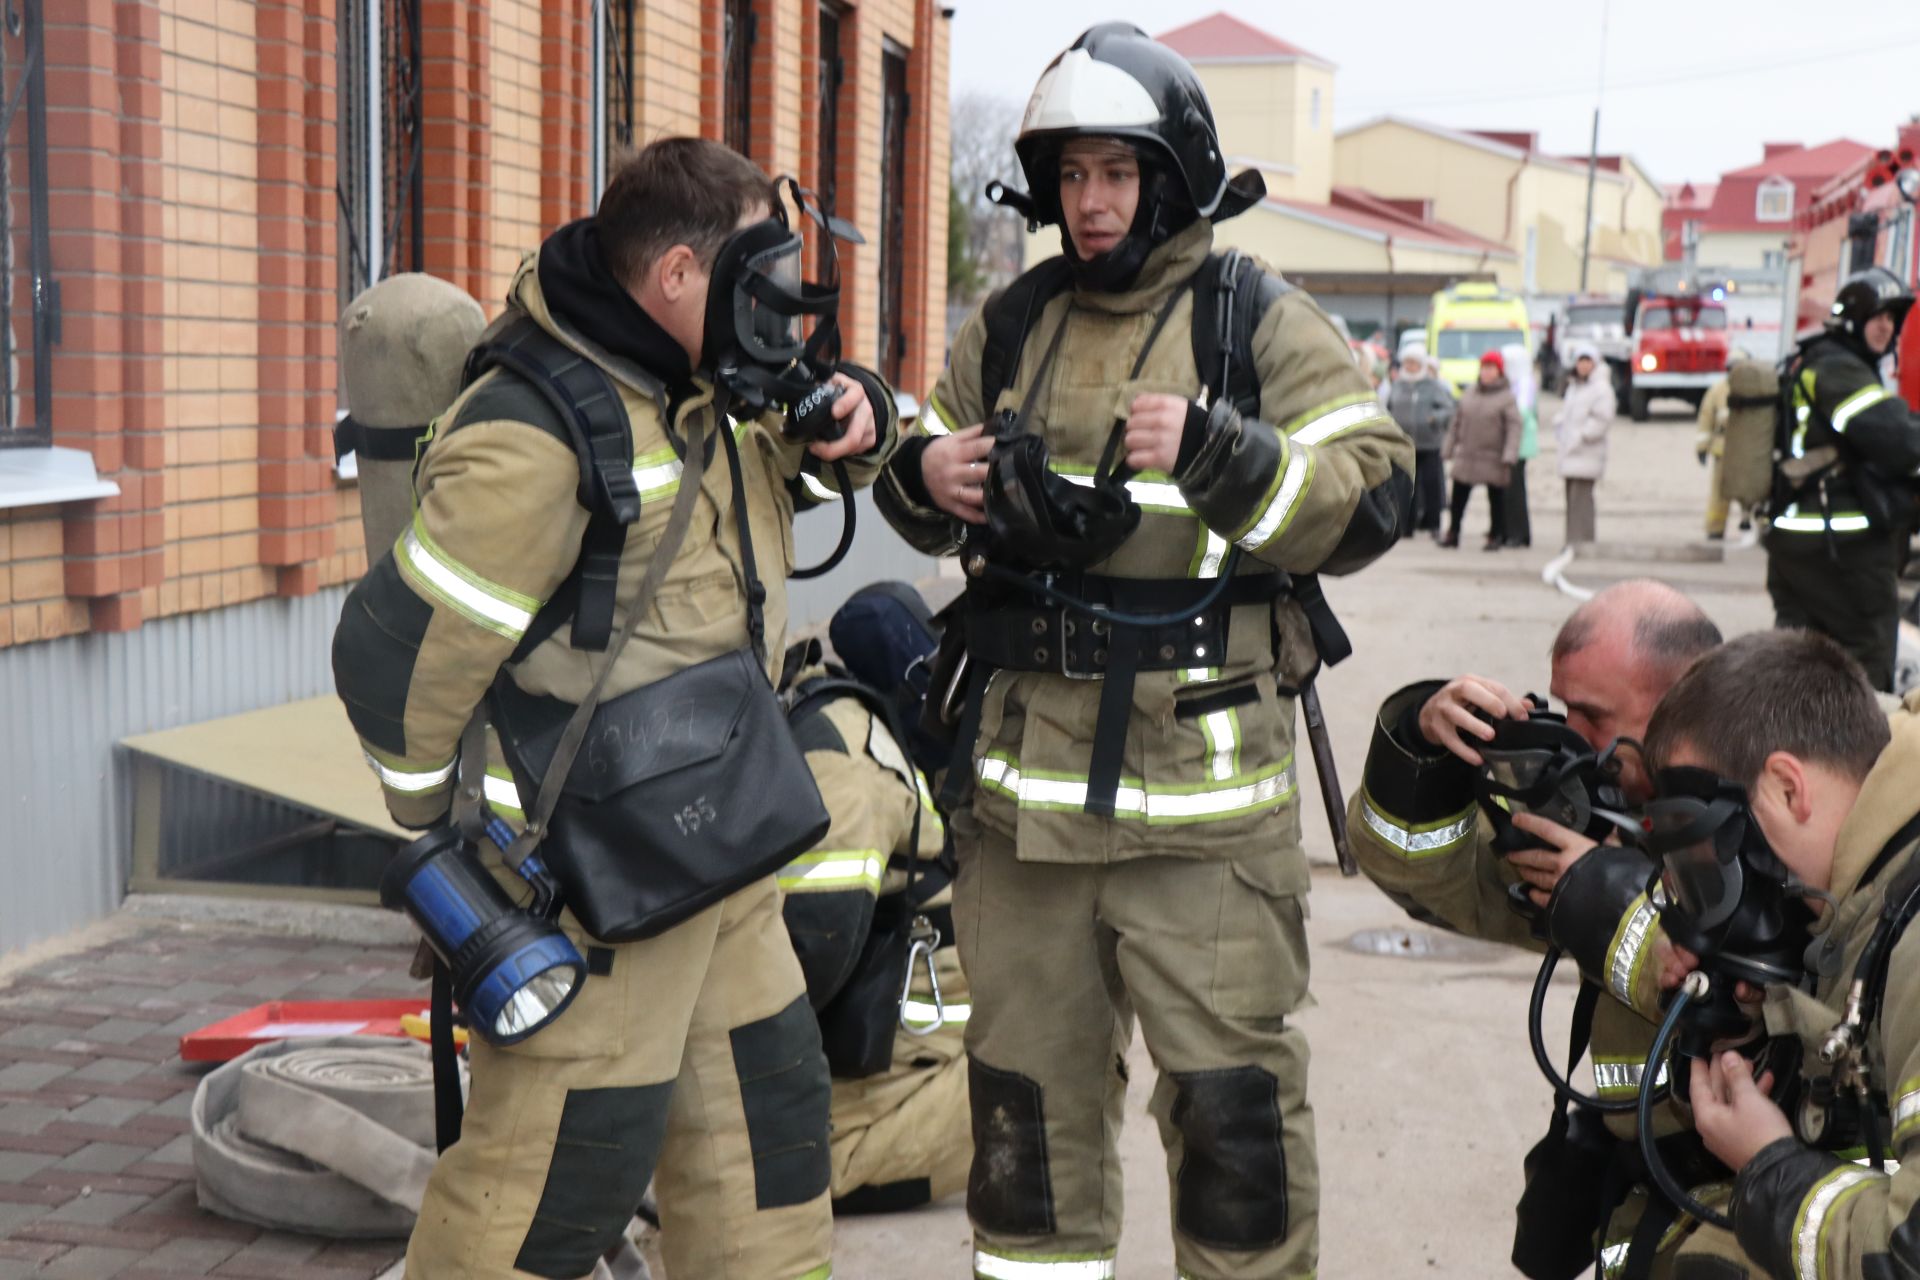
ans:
(331, 1137)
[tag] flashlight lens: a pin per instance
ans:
(535, 1004)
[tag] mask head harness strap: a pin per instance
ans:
(757, 299)
(1540, 765)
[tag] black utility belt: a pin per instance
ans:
(1079, 646)
(1079, 643)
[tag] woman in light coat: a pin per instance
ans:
(1483, 442)
(1586, 415)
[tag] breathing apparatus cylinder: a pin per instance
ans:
(513, 970)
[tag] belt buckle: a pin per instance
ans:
(1066, 648)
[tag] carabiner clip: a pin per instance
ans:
(924, 940)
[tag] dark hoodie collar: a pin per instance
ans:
(582, 294)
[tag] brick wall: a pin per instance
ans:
(191, 172)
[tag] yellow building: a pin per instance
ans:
(1501, 186)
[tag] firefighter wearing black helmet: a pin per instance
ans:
(1844, 485)
(1130, 846)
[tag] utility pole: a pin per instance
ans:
(1593, 146)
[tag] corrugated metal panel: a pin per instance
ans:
(64, 796)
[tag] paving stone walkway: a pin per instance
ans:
(96, 1152)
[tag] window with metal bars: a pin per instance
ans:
(894, 110)
(380, 188)
(741, 30)
(830, 74)
(26, 411)
(614, 104)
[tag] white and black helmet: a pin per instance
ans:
(1115, 81)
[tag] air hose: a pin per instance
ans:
(1536, 1011)
(1696, 987)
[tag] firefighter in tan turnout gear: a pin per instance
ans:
(692, 1050)
(1130, 447)
(900, 1134)
(1420, 833)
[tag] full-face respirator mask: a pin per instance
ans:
(1540, 765)
(757, 303)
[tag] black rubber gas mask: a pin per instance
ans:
(1540, 765)
(755, 345)
(1038, 519)
(1729, 898)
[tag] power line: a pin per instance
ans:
(1650, 82)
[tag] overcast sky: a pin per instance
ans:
(1692, 86)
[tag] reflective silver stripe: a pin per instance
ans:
(1611, 1076)
(495, 608)
(1635, 934)
(657, 479)
(1222, 732)
(834, 869)
(502, 793)
(993, 1266)
(923, 1012)
(410, 782)
(1614, 1257)
(934, 421)
(1210, 558)
(1332, 424)
(1853, 405)
(1154, 806)
(1151, 494)
(1292, 484)
(816, 490)
(1813, 1216)
(1906, 1111)
(1418, 842)
(1795, 523)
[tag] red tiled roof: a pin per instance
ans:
(1223, 37)
(1821, 162)
(1366, 212)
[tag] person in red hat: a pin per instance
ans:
(1482, 445)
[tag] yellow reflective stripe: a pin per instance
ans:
(1630, 948)
(1816, 1211)
(409, 781)
(924, 1013)
(991, 1264)
(1906, 1110)
(834, 871)
(1426, 841)
(1294, 480)
(1791, 521)
(501, 793)
(821, 1272)
(656, 474)
(1355, 412)
(1222, 732)
(936, 420)
(486, 604)
(1853, 405)
(1156, 805)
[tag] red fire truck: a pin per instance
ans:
(1865, 217)
(1676, 345)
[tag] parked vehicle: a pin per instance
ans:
(1469, 320)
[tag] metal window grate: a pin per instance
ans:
(614, 108)
(23, 226)
(895, 108)
(742, 29)
(830, 74)
(381, 189)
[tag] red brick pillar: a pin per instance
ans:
(104, 224)
(566, 110)
(295, 486)
(457, 134)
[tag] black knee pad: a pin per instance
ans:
(1231, 1191)
(787, 1094)
(1009, 1191)
(603, 1158)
